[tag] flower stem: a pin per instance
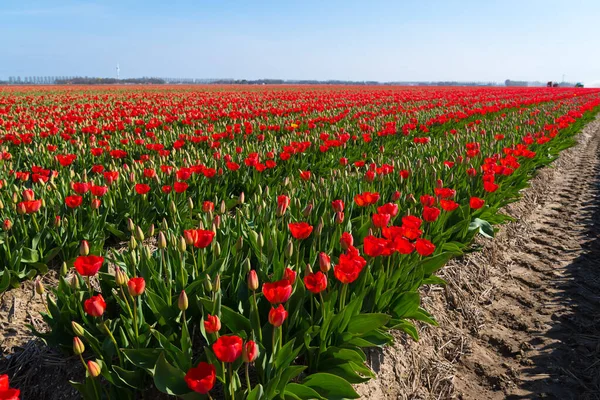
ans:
(248, 378)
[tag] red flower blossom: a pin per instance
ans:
(73, 201)
(88, 265)
(95, 305)
(201, 379)
(476, 203)
(142, 188)
(228, 348)
(277, 315)
(300, 230)
(381, 220)
(424, 247)
(30, 207)
(338, 205)
(200, 238)
(136, 286)
(315, 282)
(277, 292)
(6, 393)
(449, 205)
(212, 324)
(430, 214)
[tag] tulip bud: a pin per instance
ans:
(339, 217)
(39, 286)
(120, 277)
(289, 250)
(260, 241)
(172, 207)
(164, 225)
(246, 267)
(95, 204)
(217, 283)
(94, 369)
(151, 230)
(84, 248)
(250, 351)
(134, 257)
(77, 329)
(307, 210)
(242, 198)
(182, 303)
(319, 227)
(240, 243)
(1, 205)
(130, 225)
(74, 283)
(190, 203)
(223, 207)
(57, 221)
(139, 234)
(7, 225)
(132, 243)
(307, 270)
(252, 280)
(181, 245)
(324, 262)
(78, 347)
(217, 249)
(162, 241)
(64, 269)
(21, 209)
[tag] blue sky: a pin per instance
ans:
(325, 39)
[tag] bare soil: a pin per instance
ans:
(519, 320)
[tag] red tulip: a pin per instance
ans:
(142, 188)
(88, 265)
(449, 205)
(95, 306)
(476, 203)
(324, 262)
(338, 205)
(283, 202)
(136, 286)
(430, 214)
(180, 187)
(289, 275)
(98, 190)
(277, 316)
(208, 206)
(28, 195)
(212, 324)
(427, 200)
(424, 247)
(389, 208)
(346, 241)
(300, 230)
(277, 292)
(381, 220)
(80, 187)
(250, 351)
(228, 348)
(305, 175)
(73, 201)
(201, 378)
(315, 282)
(200, 238)
(349, 266)
(6, 393)
(30, 207)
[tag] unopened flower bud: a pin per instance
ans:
(208, 283)
(217, 249)
(74, 283)
(94, 369)
(217, 283)
(252, 280)
(77, 329)
(223, 207)
(151, 230)
(246, 266)
(249, 351)
(84, 248)
(120, 277)
(242, 198)
(64, 269)
(182, 303)
(130, 225)
(324, 262)
(289, 250)
(307, 210)
(39, 286)
(239, 244)
(78, 347)
(162, 241)
(181, 245)
(139, 234)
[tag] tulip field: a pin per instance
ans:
(250, 242)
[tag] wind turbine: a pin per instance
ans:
(118, 69)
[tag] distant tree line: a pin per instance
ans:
(109, 81)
